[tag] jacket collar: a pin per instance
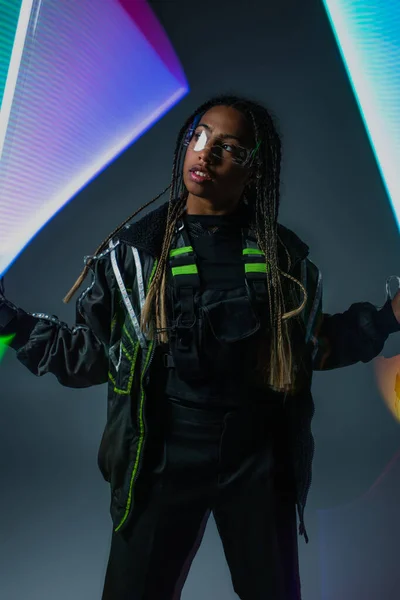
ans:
(147, 234)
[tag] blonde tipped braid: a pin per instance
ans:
(281, 358)
(157, 291)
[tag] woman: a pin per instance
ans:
(205, 318)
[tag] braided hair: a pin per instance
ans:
(262, 196)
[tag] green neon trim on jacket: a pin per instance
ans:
(125, 351)
(141, 421)
(186, 270)
(178, 251)
(128, 335)
(131, 373)
(140, 443)
(253, 251)
(256, 268)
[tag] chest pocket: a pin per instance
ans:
(231, 320)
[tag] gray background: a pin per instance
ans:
(54, 520)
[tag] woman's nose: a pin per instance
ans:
(206, 153)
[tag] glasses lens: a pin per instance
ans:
(222, 150)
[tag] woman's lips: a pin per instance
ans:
(199, 178)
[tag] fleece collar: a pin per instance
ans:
(147, 234)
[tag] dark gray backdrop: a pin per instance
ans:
(55, 526)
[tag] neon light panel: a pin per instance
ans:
(80, 80)
(368, 35)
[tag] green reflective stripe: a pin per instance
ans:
(132, 358)
(113, 322)
(186, 270)
(128, 335)
(131, 373)
(253, 251)
(152, 273)
(179, 251)
(140, 443)
(141, 420)
(256, 268)
(125, 351)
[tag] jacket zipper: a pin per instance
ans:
(145, 381)
(303, 495)
(142, 439)
(142, 425)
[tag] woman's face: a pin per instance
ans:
(216, 149)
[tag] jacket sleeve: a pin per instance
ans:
(77, 356)
(358, 334)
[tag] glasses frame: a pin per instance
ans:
(250, 152)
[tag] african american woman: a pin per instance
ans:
(204, 318)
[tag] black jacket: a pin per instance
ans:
(107, 346)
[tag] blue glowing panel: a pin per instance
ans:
(368, 35)
(80, 81)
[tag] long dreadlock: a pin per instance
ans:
(262, 195)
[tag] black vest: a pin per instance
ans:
(215, 334)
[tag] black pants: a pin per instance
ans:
(233, 464)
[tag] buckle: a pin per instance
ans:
(168, 361)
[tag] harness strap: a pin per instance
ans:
(139, 276)
(125, 297)
(186, 281)
(255, 267)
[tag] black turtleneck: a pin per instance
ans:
(217, 242)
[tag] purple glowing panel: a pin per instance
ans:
(85, 80)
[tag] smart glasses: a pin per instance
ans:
(199, 137)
